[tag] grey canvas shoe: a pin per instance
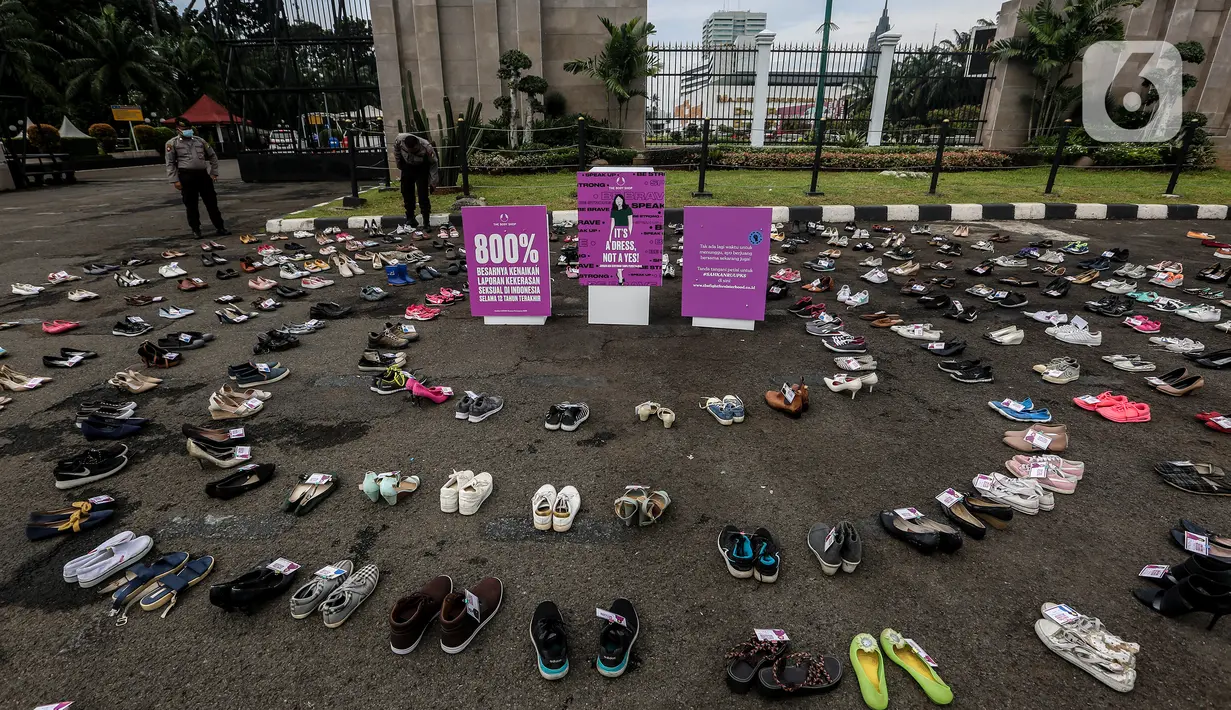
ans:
(307, 598)
(344, 600)
(836, 546)
(484, 406)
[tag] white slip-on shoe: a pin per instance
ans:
(75, 565)
(114, 559)
(917, 331)
(1022, 495)
(542, 505)
(450, 490)
(1010, 335)
(82, 295)
(568, 502)
(27, 289)
(1067, 643)
(472, 495)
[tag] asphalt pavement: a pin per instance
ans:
(916, 434)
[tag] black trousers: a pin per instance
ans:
(196, 184)
(416, 180)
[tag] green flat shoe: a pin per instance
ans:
(900, 652)
(869, 668)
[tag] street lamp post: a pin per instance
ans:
(820, 81)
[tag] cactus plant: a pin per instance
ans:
(446, 138)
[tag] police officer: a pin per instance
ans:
(192, 166)
(416, 158)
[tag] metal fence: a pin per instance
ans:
(927, 85)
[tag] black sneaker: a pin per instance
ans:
(105, 411)
(952, 366)
(615, 643)
(950, 250)
(391, 381)
(574, 415)
(945, 349)
(737, 550)
(1102, 263)
(224, 274)
(974, 375)
(936, 300)
(289, 293)
(131, 327)
(549, 636)
(81, 472)
(768, 557)
(777, 290)
(1013, 300)
(1042, 244)
(375, 361)
(222, 232)
(273, 341)
(960, 313)
(981, 268)
(329, 310)
(257, 373)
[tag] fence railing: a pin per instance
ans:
(760, 93)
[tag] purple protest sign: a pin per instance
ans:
(620, 228)
(507, 257)
(726, 262)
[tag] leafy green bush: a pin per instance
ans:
(144, 136)
(1129, 154)
(105, 134)
(43, 137)
(562, 131)
(554, 104)
(162, 134)
(563, 159)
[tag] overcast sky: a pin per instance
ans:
(797, 20)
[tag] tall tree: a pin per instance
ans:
(25, 61)
(623, 65)
(113, 58)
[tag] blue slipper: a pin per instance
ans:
(167, 588)
(138, 580)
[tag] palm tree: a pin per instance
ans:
(113, 57)
(1053, 43)
(193, 66)
(623, 65)
(23, 58)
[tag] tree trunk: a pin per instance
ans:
(153, 16)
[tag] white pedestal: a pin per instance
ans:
(728, 323)
(619, 305)
(514, 320)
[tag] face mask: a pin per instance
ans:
(187, 133)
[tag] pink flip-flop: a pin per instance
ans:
(1106, 399)
(1126, 412)
(59, 326)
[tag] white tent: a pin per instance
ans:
(68, 130)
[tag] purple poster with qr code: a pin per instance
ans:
(620, 228)
(726, 262)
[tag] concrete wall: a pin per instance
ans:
(452, 48)
(1204, 21)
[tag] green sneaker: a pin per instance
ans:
(869, 668)
(912, 660)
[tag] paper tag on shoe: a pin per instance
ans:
(185, 338)
(34, 382)
(1079, 322)
(1154, 571)
(788, 393)
(246, 467)
(1089, 399)
(389, 474)
(833, 534)
(172, 356)
(1222, 422)
(908, 513)
(767, 634)
(983, 482)
(1053, 373)
(1038, 439)
(1038, 469)
(1062, 614)
(75, 359)
(1014, 405)
(948, 497)
(937, 346)
(55, 706)
(282, 566)
(472, 606)
(922, 654)
(60, 274)
(317, 479)
(253, 403)
(609, 616)
(446, 391)
(136, 319)
(99, 500)
(243, 453)
(330, 572)
(262, 367)
(1197, 544)
(236, 433)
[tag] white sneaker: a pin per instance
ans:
(81, 295)
(75, 565)
(290, 271)
(858, 299)
(1011, 335)
(844, 293)
(1053, 317)
(170, 271)
(1122, 287)
(1178, 345)
(1009, 261)
(542, 506)
(1070, 333)
(876, 276)
(450, 490)
(871, 261)
(1136, 272)
(1051, 256)
(113, 559)
(1021, 494)
(473, 493)
(1202, 313)
(1067, 642)
(983, 246)
(27, 289)
(568, 502)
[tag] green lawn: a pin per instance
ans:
(783, 187)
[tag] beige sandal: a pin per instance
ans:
(628, 506)
(127, 382)
(653, 508)
(646, 409)
(667, 416)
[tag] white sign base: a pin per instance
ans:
(619, 305)
(728, 323)
(514, 320)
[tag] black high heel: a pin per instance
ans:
(1193, 593)
(154, 356)
(1198, 566)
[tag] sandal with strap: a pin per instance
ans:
(166, 591)
(667, 416)
(748, 658)
(628, 506)
(653, 508)
(154, 356)
(799, 674)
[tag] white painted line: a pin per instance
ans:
(1211, 211)
(1151, 211)
(838, 213)
(966, 212)
(1029, 210)
(903, 213)
(1091, 210)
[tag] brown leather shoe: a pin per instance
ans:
(411, 615)
(777, 400)
(457, 627)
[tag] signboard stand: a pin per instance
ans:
(619, 305)
(728, 323)
(508, 274)
(640, 248)
(514, 320)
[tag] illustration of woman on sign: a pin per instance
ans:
(621, 225)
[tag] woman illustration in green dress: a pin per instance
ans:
(621, 226)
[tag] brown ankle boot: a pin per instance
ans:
(777, 400)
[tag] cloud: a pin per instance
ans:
(797, 20)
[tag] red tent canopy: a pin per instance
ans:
(207, 111)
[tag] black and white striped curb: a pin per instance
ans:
(848, 213)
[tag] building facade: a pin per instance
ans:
(452, 48)
(722, 28)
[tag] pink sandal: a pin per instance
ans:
(1126, 412)
(59, 326)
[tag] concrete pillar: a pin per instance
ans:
(429, 69)
(760, 91)
(1006, 112)
(1216, 87)
(486, 52)
(887, 42)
